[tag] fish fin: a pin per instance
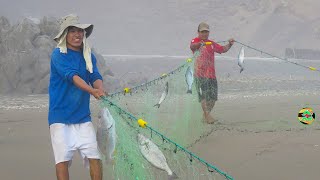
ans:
(173, 176)
(241, 70)
(189, 91)
(157, 105)
(107, 160)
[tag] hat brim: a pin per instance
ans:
(204, 29)
(87, 27)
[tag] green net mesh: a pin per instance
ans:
(129, 163)
(174, 125)
(179, 122)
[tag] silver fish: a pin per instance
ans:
(164, 95)
(153, 154)
(189, 79)
(241, 59)
(106, 134)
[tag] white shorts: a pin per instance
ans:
(68, 138)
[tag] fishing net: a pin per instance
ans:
(268, 94)
(179, 122)
(129, 163)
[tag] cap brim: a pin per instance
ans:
(204, 29)
(87, 27)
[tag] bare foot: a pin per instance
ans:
(210, 119)
(204, 118)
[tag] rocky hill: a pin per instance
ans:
(25, 50)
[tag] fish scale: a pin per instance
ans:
(189, 79)
(241, 59)
(153, 154)
(106, 134)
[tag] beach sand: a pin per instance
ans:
(245, 150)
(26, 151)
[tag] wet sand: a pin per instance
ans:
(244, 150)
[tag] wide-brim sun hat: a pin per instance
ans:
(73, 20)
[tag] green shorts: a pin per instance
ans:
(207, 89)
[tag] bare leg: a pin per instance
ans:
(62, 171)
(205, 109)
(95, 169)
(210, 105)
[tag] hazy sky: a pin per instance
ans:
(121, 27)
(166, 27)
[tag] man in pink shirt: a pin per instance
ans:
(205, 76)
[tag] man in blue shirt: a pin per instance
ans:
(74, 76)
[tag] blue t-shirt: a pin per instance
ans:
(68, 104)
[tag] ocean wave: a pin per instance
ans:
(24, 102)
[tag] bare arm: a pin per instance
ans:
(228, 46)
(195, 46)
(80, 83)
(98, 84)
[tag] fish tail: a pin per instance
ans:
(157, 105)
(109, 160)
(173, 176)
(189, 91)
